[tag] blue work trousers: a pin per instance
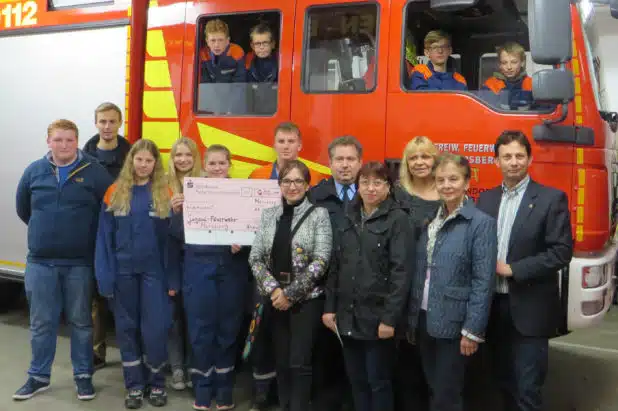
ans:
(142, 311)
(51, 290)
(214, 289)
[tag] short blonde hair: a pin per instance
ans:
(435, 36)
(288, 127)
(107, 106)
(513, 48)
(418, 143)
(217, 26)
(62, 124)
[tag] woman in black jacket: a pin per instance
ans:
(368, 288)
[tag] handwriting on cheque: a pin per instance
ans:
(232, 205)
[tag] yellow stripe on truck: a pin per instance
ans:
(12, 264)
(162, 133)
(244, 147)
(160, 104)
(157, 74)
(155, 44)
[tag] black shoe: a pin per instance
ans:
(134, 399)
(99, 363)
(157, 397)
(260, 402)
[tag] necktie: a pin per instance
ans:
(346, 198)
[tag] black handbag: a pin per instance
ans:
(258, 311)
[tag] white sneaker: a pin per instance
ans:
(178, 380)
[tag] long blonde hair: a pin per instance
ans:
(174, 178)
(120, 201)
(418, 143)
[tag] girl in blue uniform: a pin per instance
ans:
(185, 161)
(130, 270)
(214, 284)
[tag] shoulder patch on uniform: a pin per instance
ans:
(236, 52)
(495, 84)
(424, 70)
(249, 59)
(262, 172)
(108, 194)
(204, 54)
(458, 77)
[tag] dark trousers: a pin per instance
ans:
(444, 368)
(369, 364)
(331, 389)
(295, 332)
(100, 317)
(142, 310)
(214, 290)
(410, 385)
(520, 363)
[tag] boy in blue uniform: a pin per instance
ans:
(435, 75)
(221, 61)
(510, 88)
(262, 64)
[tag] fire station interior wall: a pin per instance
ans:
(45, 77)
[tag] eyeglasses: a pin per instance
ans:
(287, 183)
(435, 49)
(375, 183)
(261, 43)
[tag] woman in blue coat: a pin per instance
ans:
(454, 284)
(130, 270)
(214, 283)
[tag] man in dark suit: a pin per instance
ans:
(335, 193)
(534, 243)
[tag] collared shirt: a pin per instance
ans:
(432, 234)
(509, 204)
(339, 189)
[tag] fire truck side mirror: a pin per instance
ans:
(452, 5)
(553, 86)
(549, 24)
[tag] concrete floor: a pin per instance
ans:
(583, 374)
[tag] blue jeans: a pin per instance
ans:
(50, 291)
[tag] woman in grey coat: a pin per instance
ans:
(289, 259)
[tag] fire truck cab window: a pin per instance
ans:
(237, 64)
(340, 49)
(482, 50)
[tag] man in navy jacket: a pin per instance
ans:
(534, 243)
(59, 197)
(110, 149)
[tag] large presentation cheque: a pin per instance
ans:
(226, 211)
